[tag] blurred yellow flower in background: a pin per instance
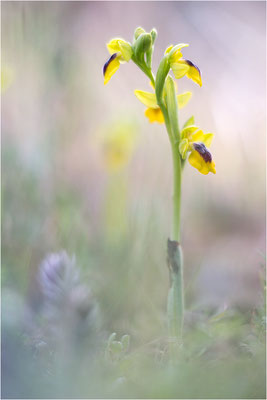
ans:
(118, 144)
(7, 77)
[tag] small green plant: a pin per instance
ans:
(189, 142)
(116, 349)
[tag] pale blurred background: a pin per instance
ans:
(58, 192)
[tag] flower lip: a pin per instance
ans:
(111, 58)
(203, 151)
(188, 62)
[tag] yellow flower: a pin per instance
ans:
(118, 145)
(182, 67)
(154, 115)
(7, 77)
(153, 112)
(195, 141)
(121, 51)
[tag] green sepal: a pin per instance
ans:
(183, 147)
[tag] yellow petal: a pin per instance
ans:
(147, 98)
(168, 49)
(110, 67)
(183, 147)
(194, 74)
(205, 138)
(118, 45)
(208, 139)
(175, 52)
(126, 50)
(193, 71)
(197, 162)
(175, 57)
(198, 136)
(212, 167)
(188, 131)
(179, 69)
(113, 46)
(200, 158)
(183, 99)
(154, 115)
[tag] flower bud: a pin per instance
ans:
(142, 44)
(153, 34)
(138, 32)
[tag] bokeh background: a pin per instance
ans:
(60, 192)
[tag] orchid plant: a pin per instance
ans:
(190, 142)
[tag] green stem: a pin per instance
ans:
(172, 110)
(145, 69)
(177, 177)
(175, 306)
(168, 105)
(176, 291)
(175, 309)
(177, 180)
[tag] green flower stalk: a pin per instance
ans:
(162, 106)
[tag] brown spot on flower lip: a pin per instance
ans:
(188, 62)
(203, 151)
(111, 58)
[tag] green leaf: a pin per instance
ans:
(162, 73)
(172, 106)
